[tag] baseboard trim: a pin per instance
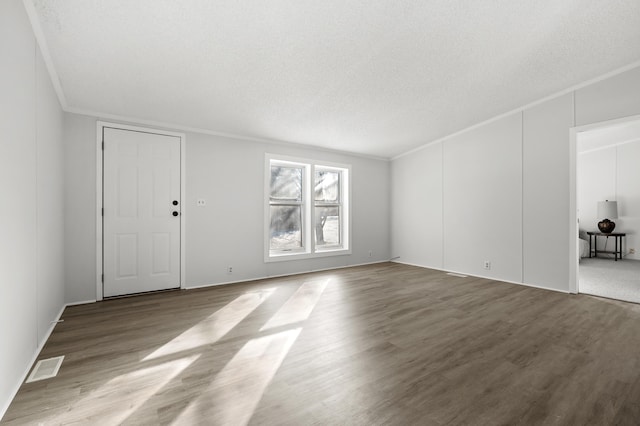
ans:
(84, 302)
(34, 358)
(284, 275)
(486, 278)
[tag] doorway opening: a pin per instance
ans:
(606, 184)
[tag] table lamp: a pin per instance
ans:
(608, 210)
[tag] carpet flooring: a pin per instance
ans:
(615, 280)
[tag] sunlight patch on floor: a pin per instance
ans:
(299, 306)
(215, 326)
(236, 391)
(127, 392)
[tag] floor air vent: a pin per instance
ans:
(45, 369)
(456, 275)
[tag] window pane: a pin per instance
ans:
(286, 228)
(327, 186)
(327, 226)
(286, 183)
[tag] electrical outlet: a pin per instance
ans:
(487, 264)
(230, 269)
(201, 202)
(632, 251)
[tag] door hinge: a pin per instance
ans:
(103, 145)
(103, 211)
(102, 278)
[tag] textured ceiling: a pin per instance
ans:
(370, 77)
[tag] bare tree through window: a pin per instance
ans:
(327, 207)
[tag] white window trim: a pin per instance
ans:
(309, 251)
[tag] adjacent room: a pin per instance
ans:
(607, 182)
(305, 212)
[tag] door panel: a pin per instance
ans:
(141, 234)
(127, 256)
(161, 263)
(127, 196)
(161, 192)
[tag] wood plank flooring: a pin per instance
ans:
(378, 344)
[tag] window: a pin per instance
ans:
(286, 208)
(327, 207)
(307, 209)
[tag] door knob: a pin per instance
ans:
(175, 213)
(175, 202)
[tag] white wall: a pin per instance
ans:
(628, 195)
(611, 173)
(545, 191)
(80, 208)
(416, 224)
(474, 168)
(609, 99)
(50, 199)
(225, 172)
(31, 209)
(482, 190)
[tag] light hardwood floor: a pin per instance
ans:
(378, 344)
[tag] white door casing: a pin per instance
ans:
(141, 223)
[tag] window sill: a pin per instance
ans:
(302, 255)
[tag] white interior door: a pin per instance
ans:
(141, 218)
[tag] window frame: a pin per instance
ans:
(308, 249)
